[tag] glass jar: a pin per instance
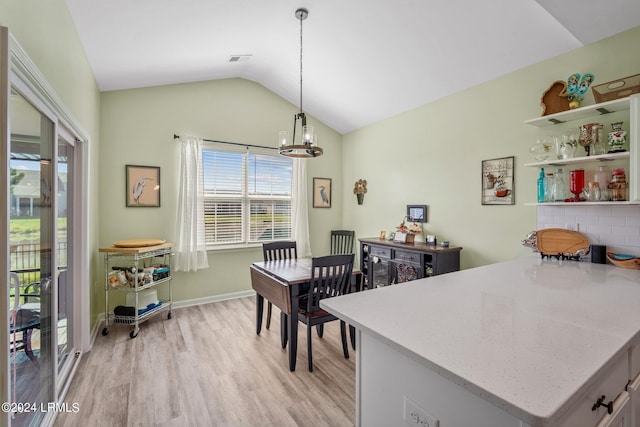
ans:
(618, 185)
(597, 143)
(549, 188)
(560, 186)
(602, 178)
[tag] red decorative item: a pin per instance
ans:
(576, 183)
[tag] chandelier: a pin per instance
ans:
(307, 146)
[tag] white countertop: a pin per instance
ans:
(526, 334)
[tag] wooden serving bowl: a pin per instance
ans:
(633, 263)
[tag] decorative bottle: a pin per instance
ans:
(541, 186)
(560, 186)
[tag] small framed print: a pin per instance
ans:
(143, 186)
(417, 213)
(321, 192)
(383, 234)
(497, 181)
(400, 237)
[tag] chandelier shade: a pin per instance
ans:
(307, 145)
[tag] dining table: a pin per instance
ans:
(283, 283)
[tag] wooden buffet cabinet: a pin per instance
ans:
(384, 262)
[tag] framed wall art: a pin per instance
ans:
(143, 186)
(497, 181)
(417, 213)
(321, 192)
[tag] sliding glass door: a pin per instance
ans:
(41, 167)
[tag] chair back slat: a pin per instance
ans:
(275, 251)
(330, 277)
(342, 241)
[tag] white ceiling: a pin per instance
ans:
(363, 60)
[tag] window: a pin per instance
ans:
(247, 196)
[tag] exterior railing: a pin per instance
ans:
(27, 260)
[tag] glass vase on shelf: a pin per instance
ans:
(568, 145)
(585, 137)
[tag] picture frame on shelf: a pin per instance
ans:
(321, 192)
(417, 213)
(142, 186)
(497, 181)
(400, 237)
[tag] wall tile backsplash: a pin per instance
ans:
(617, 227)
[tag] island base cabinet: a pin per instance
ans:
(634, 393)
(388, 379)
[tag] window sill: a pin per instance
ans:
(233, 247)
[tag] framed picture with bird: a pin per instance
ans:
(321, 192)
(143, 186)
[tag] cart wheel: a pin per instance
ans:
(169, 315)
(133, 334)
(105, 331)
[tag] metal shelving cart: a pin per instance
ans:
(125, 270)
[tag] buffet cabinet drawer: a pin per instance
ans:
(380, 252)
(407, 256)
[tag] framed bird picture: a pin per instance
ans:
(143, 186)
(321, 192)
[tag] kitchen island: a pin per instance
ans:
(527, 342)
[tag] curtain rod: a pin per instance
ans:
(231, 143)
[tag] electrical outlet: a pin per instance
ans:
(416, 416)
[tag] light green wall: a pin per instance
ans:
(46, 32)
(432, 155)
(137, 127)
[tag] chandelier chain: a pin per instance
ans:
(301, 19)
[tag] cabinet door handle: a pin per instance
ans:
(600, 402)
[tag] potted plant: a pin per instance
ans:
(359, 189)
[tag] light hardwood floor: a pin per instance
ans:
(207, 367)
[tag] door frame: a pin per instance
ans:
(16, 68)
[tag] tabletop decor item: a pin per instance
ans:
(624, 260)
(617, 137)
(359, 189)
(568, 145)
(576, 184)
(586, 136)
(407, 230)
(500, 191)
(616, 89)
(576, 87)
(321, 192)
(555, 98)
(143, 186)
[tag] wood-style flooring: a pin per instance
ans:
(207, 367)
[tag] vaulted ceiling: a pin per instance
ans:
(363, 60)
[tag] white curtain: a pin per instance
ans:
(299, 208)
(191, 251)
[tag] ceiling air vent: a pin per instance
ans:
(239, 58)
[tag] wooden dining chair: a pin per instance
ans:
(274, 251)
(330, 277)
(342, 241)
